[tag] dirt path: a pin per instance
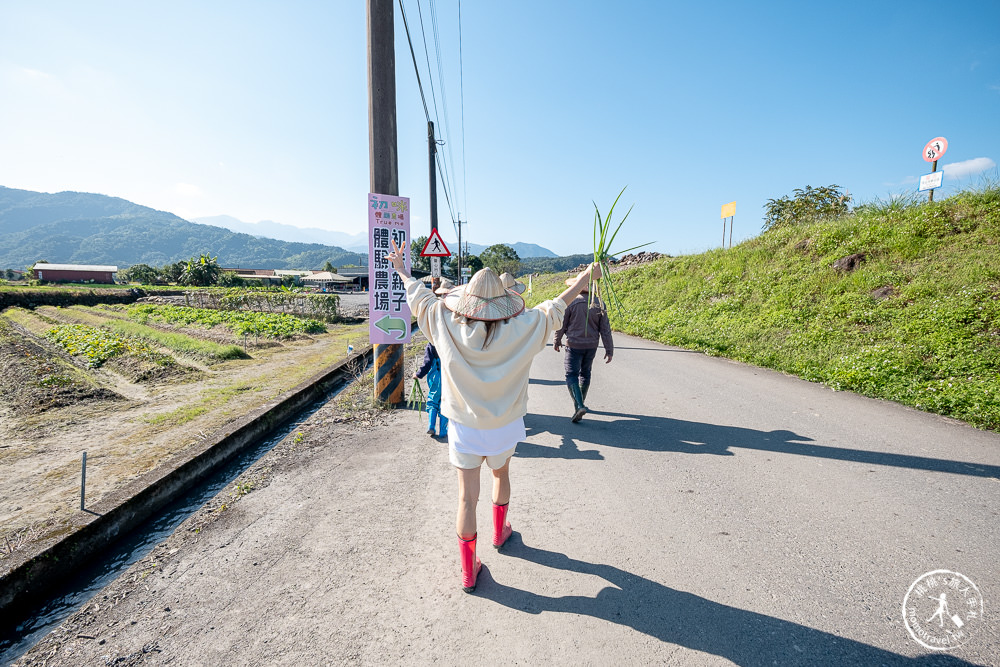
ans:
(41, 453)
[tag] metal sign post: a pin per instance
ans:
(728, 211)
(83, 481)
(933, 152)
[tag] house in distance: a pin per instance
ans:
(75, 273)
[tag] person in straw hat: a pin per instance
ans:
(584, 326)
(510, 282)
(431, 368)
(486, 339)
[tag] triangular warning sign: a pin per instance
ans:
(435, 246)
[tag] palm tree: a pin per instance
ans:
(202, 271)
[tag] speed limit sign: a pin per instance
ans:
(935, 148)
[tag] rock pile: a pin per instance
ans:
(626, 261)
(638, 258)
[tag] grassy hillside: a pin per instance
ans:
(917, 322)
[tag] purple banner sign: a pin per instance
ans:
(388, 313)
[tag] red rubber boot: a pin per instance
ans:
(501, 527)
(467, 552)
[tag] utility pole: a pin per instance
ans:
(432, 175)
(383, 163)
(459, 276)
(432, 170)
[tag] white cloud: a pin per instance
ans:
(976, 165)
(187, 190)
(34, 74)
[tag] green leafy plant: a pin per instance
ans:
(416, 399)
(603, 240)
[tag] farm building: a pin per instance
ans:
(327, 280)
(357, 274)
(75, 273)
(264, 276)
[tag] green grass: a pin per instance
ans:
(177, 343)
(97, 345)
(776, 301)
(241, 323)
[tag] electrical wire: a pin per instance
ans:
(444, 96)
(461, 95)
(416, 70)
(439, 159)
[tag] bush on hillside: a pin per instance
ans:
(807, 205)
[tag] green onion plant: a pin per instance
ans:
(416, 399)
(603, 240)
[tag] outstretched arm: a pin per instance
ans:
(580, 283)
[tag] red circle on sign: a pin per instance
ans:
(935, 148)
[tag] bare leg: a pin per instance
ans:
(468, 497)
(501, 484)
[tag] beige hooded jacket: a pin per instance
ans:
(483, 389)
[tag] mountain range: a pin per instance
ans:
(83, 228)
(355, 242)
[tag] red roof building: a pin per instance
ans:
(75, 273)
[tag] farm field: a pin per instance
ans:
(132, 385)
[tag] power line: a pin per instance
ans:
(461, 95)
(444, 95)
(416, 70)
(443, 164)
(439, 158)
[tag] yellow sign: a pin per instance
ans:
(728, 210)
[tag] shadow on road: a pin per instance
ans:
(663, 434)
(547, 383)
(744, 637)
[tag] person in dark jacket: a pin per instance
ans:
(584, 326)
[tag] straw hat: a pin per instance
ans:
(511, 283)
(484, 298)
(445, 287)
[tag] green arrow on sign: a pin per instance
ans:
(390, 323)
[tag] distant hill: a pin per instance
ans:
(554, 264)
(81, 228)
(353, 242)
(522, 249)
(282, 232)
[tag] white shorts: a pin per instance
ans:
(468, 447)
(473, 461)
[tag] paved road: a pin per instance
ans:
(705, 512)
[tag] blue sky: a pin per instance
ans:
(258, 110)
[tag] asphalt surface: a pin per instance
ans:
(705, 512)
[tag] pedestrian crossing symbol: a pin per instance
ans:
(435, 246)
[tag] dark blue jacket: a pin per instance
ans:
(430, 356)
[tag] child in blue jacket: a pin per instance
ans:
(432, 369)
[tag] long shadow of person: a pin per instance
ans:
(660, 434)
(745, 637)
(664, 434)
